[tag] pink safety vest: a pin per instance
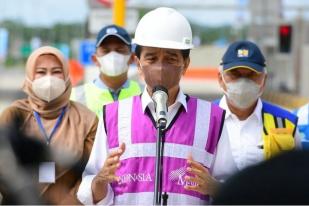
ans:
(196, 131)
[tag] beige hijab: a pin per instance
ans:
(45, 109)
(74, 136)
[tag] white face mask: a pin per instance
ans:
(114, 63)
(243, 92)
(48, 87)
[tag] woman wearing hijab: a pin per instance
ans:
(51, 117)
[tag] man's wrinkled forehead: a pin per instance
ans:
(242, 70)
(146, 51)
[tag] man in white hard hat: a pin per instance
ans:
(121, 168)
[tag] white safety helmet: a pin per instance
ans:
(164, 28)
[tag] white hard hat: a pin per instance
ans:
(164, 28)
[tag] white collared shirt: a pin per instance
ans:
(171, 111)
(99, 150)
(240, 146)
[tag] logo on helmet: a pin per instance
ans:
(186, 40)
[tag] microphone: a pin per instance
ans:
(160, 96)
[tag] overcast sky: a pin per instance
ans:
(48, 12)
(44, 12)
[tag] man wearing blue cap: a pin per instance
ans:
(256, 130)
(113, 57)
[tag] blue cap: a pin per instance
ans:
(244, 54)
(113, 30)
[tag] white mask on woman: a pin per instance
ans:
(48, 87)
(243, 92)
(114, 63)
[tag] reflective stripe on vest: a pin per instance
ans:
(145, 197)
(278, 130)
(94, 98)
(195, 132)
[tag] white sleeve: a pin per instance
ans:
(223, 165)
(95, 163)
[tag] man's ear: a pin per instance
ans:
(138, 65)
(131, 60)
(186, 65)
(220, 80)
(95, 60)
(264, 83)
(265, 80)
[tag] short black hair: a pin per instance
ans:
(138, 50)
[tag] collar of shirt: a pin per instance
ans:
(100, 84)
(148, 102)
(256, 113)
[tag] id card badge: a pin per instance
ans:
(47, 172)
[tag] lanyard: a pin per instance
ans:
(43, 131)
